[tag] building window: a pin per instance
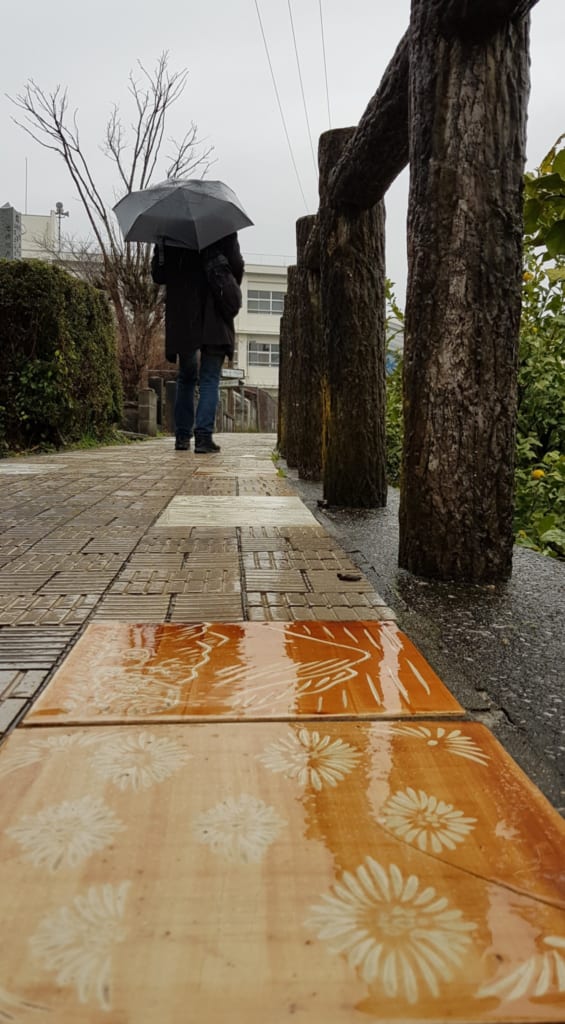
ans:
(262, 353)
(265, 302)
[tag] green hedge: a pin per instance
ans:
(59, 375)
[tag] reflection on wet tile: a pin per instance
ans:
(223, 510)
(353, 871)
(120, 672)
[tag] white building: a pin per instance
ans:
(39, 236)
(258, 323)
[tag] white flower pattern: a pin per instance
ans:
(425, 821)
(76, 942)
(37, 749)
(138, 760)
(66, 834)
(536, 977)
(14, 1007)
(311, 759)
(239, 829)
(453, 741)
(399, 935)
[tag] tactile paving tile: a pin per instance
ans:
(29, 468)
(249, 670)
(195, 510)
(78, 583)
(253, 872)
(233, 469)
(22, 582)
(32, 647)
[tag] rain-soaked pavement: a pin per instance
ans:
(500, 649)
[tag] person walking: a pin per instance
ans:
(203, 296)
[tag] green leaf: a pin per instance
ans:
(532, 210)
(548, 183)
(555, 239)
(556, 274)
(555, 537)
(546, 524)
(559, 164)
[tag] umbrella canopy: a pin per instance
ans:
(185, 212)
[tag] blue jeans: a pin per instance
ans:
(209, 392)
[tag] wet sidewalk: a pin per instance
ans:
(234, 788)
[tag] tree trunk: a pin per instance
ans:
(476, 20)
(467, 150)
(378, 151)
(353, 318)
(290, 412)
(309, 358)
(282, 405)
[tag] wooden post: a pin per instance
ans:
(309, 353)
(377, 151)
(288, 397)
(467, 150)
(353, 318)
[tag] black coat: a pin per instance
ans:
(203, 296)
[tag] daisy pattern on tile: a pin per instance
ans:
(453, 741)
(239, 829)
(399, 935)
(66, 834)
(12, 1006)
(310, 758)
(138, 760)
(426, 822)
(38, 749)
(537, 976)
(76, 942)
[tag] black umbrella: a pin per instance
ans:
(186, 212)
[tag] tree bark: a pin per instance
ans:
(288, 407)
(310, 359)
(467, 151)
(282, 405)
(353, 318)
(378, 151)
(477, 20)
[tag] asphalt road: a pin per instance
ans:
(500, 649)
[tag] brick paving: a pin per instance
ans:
(89, 536)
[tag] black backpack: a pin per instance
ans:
(223, 286)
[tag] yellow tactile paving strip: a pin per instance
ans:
(332, 871)
(249, 670)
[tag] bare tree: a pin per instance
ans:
(123, 270)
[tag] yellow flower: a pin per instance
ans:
(527, 276)
(538, 473)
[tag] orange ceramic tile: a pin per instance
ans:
(332, 871)
(121, 672)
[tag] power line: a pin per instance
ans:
(280, 105)
(302, 90)
(325, 64)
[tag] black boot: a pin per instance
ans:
(182, 442)
(203, 443)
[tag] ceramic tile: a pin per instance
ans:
(341, 872)
(223, 510)
(119, 672)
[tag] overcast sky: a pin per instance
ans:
(90, 48)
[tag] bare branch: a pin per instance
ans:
(123, 269)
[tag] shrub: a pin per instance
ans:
(540, 469)
(59, 377)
